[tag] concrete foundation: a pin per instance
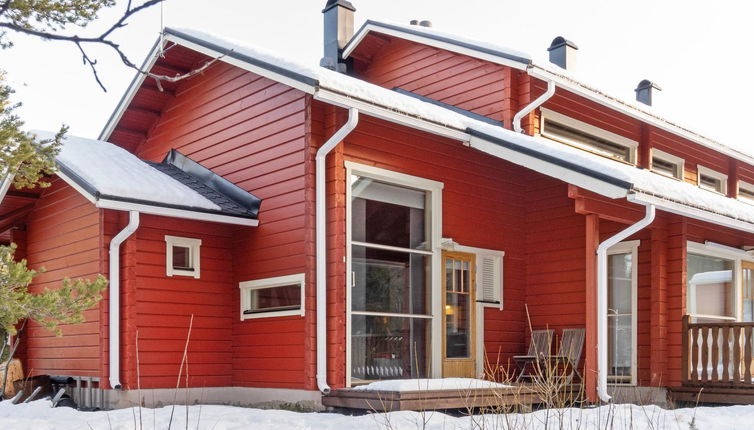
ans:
(299, 400)
(639, 395)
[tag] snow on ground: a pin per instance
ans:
(429, 384)
(38, 415)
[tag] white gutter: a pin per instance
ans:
(321, 225)
(533, 105)
(133, 224)
(602, 298)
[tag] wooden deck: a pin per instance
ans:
(383, 401)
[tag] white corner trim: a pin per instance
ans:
(246, 287)
(194, 246)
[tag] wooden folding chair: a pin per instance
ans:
(539, 348)
(569, 352)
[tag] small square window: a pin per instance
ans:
(182, 256)
(712, 181)
(280, 296)
(667, 164)
(746, 192)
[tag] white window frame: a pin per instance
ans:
(194, 246)
(632, 247)
(450, 245)
(434, 192)
(247, 287)
(749, 186)
(722, 177)
(614, 138)
(716, 250)
(668, 158)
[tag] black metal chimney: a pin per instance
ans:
(644, 91)
(338, 15)
(563, 53)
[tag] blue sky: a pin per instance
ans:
(697, 51)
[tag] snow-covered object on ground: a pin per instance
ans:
(113, 171)
(38, 415)
(452, 384)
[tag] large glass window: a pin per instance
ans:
(710, 287)
(390, 285)
(620, 315)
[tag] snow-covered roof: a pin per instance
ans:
(581, 168)
(563, 78)
(103, 171)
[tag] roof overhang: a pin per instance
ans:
(437, 40)
(125, 204)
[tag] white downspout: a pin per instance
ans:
(602, 298)
(133, 224)
(321, 225)
(531, 106)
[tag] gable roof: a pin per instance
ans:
(113, 178)
(589, 171)
(562, 78)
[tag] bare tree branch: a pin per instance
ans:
(101, 39)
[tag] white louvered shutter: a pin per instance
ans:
(490, 279)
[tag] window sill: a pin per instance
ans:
(272, 314)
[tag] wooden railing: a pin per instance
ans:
(717, 353)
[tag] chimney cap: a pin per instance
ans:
(646, 84)
(343, 3)
(561, 41)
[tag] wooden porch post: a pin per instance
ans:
(590, 359)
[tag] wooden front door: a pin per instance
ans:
(458, 356)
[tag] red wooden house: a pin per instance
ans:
(419, 205)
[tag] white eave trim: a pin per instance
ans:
(125, 102)
(357, 39)
(691, 212)
(550, 169)
(175, 213)
(544, 74)
(157, 210)
(386, 114)
(240, 63)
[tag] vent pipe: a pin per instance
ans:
(563, 53)
(422, 23)
(644, 91)
(338, 16)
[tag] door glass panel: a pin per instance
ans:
(458, 303)
(385, 347)
(620, 317)
(710, 287)
(748, 294)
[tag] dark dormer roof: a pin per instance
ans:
(229, 197)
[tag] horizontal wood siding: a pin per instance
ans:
(483, 206)
(252, 131)
(458, 80)
(157, 309)
(64, 237)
